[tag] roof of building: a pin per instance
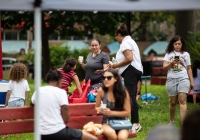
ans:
(113, 47)
(13, 47)
(75, 45)
(159, 47)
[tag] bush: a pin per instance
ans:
(193, 44)
(59, 54)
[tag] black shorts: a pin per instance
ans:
(65, 134)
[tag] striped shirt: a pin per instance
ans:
(67, 78)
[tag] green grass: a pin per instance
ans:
(155, 112)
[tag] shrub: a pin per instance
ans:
(59, 54)
(193, 44)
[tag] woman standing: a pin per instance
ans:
(179, 76)
(130, 67)
(96, 63)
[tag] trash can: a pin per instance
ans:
(147, 68)
(3, 91)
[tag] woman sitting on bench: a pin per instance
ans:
(117, 99)
(54, 111)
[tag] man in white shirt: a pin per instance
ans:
(54, 112)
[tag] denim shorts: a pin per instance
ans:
(16, 103)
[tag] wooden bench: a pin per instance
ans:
(80, 114)
(159, 76)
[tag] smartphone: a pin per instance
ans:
(176, 57)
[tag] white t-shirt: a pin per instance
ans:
(129, 44)
(51, 100)
(197, 82)
(180, 70)
(18, 90)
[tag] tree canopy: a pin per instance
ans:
(70, 23)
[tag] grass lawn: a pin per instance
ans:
(155, 112)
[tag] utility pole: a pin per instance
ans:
(1, 67)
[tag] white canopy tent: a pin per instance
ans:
(86, 5)
(103, 5)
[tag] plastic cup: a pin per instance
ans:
(80, 58)
(103, 106)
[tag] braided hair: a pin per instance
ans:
(53, 75)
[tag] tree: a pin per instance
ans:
(185, 23)
(193, 44)
(63, 23)
(146, 25)
(69, 23)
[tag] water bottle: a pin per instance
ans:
(114, 60)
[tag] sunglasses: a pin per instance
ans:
(107, 77)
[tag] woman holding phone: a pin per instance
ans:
(179, 76)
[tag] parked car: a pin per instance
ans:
(7, 62)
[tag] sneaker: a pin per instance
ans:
(136, 127)
(171, 123)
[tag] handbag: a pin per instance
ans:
(117, 123)
(120, 124)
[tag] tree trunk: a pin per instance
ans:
(185, 22)
(143, 36)
(128, 22)
(45, 49)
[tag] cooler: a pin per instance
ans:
(3, 91)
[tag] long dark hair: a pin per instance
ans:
(195, 66)
(170, 47)
(119, 90)
(53, 76)
(69, 64)
(122, 30)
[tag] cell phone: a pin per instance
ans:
(176, 57)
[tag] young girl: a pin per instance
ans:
(196, 76)
(179, 76)
(118, 103)
(69, 75)
(17, 94)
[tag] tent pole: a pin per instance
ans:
(1, 67)
(37, 68)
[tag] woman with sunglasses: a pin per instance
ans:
(130, 68)
(96, 63)
(116, 97)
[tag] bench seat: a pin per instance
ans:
(80, 114)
